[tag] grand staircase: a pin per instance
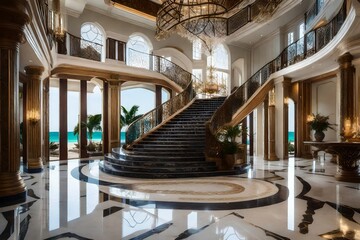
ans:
(175, 150)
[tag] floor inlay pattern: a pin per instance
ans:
(294, 199)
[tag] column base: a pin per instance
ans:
(273, 158)
(12, 188)
(34, 166)
(33, 170)
(13, 199)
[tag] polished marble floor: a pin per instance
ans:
(294, 199)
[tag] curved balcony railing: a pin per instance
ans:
(155, 117)
(159, 64)
(305, 47)
(79, 47)
(313, 12)
(250, 13)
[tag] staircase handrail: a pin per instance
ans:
(143, 125)
(163, 66)
(310, 44)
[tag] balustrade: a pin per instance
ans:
(305, 47)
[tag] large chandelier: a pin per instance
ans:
(194, 19)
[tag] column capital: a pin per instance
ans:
(345, 60)
(35, 71)
(13, 18)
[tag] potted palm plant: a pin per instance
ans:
(230, 148)
(319, 124)
(93, 124)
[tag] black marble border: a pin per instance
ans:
(280, 196)
(13, 199)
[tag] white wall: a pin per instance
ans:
(265, 51)
(324, 103)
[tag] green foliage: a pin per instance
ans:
(93, 124)
(291, 147)
(53, 146)
(76, 132)
(319, 123)
(227, 136)
(129, 116)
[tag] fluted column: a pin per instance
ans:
(114, 114)
(347, 93)
(33, 121)
(13, 17)
(272, 125)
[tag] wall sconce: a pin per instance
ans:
(310, 118)
(286, 100)
(33, 116)
(347, 128)
(272, 98)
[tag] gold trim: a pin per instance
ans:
(11, 184)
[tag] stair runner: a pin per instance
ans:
(175, 150)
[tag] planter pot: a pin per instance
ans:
(319, 136)
(230, 160)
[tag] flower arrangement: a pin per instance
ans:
(319, 123)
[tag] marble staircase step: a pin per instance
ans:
(155, 175)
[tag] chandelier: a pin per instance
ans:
(194, 19)
(266, 9)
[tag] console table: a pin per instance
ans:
(348, 154)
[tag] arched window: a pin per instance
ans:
(218, 66)
(92, 39)
(138, 50)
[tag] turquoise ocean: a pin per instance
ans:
(54, 137)
(97, 136)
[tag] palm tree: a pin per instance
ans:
(76, 132)
(129, 116)
(93, 124)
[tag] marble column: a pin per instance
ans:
(272, 126)
(33, 121)
(347, 92)
(13, 17)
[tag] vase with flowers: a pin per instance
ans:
(319, 124)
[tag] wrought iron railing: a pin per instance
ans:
(161, 65)
(155, 117)
(313, 12)
(80, 47)
(305, 47)
(248, 14)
